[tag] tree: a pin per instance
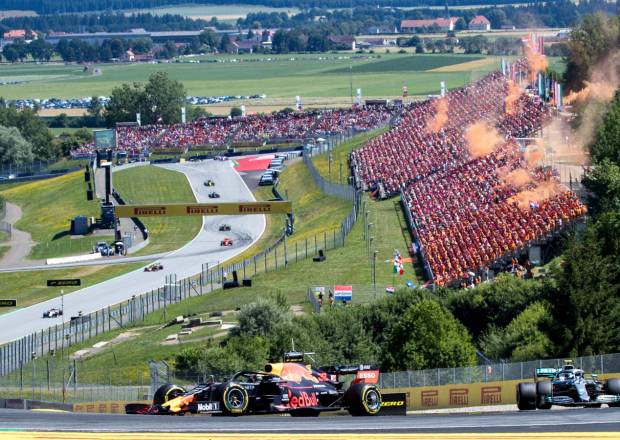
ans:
(607, 142)
(236, 112)
(40, 50)
(142, 45)
(586, 302)
(210, 38)
(523, 339)
(419, 48)
(460, 25)
(163, 99)
(603, 184)
(225, 43)
(10, 54)
(95, 111)
(497, 17)
(589, 43)
(125, 101)
(13, 147)
(428, 336)
(260, 318)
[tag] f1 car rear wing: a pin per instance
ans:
(363, 373)
(546, 372)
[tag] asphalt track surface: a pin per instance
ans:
(204, 248)
(580, 420)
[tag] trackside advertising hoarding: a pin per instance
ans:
(189, 209)
(461, 395)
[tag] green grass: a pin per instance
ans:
(30, 287)
(151, 184)
(340, 156)
(281, 78)
(47, 208)
(220, 11)
(57, 131)
(409, 63)
(3, 250)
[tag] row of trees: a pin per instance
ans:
(24, 137)
(107, 22)
(409, 330)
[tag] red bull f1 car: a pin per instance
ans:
(287, 387)
(567, 386)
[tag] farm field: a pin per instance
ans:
(150, 184)
(221, 12)
(316, 76)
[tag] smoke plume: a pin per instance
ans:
(539, 194)
(536, 62)
(481, 139)
(512, 97)
(518, 178)
(441, 116)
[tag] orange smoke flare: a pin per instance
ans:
(542, 192)
(518, 178)
(512, 97)
(481, 139)
(440, 118)
(536, 62)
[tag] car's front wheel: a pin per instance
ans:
(543, 390)
(234, 399)
(612, 386)
(167, 392)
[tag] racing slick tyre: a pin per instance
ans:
(612, 386)
(234, 399)
(526, 396)
(166, 392)
(363, 399)
(543, 389)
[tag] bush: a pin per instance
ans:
(235, 112)
(260, 318)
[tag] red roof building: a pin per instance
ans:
(479, 23)
(444, 24)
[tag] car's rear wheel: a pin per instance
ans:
(526, 396)
(612, 386)
(166, 393)
(363, 399)
(234, 399)
(543, 389)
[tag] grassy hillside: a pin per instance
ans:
(151, 184)
(47, 208)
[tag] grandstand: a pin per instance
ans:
(217, 132)
(472, 195)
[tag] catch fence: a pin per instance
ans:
(598, 364)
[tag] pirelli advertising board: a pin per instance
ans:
(186, 209)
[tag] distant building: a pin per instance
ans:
(20, 34)
(129, 56)
(369, 43)
(381, 30)
(479, 23)
(444, 24)
(343, 41)
(244, 46)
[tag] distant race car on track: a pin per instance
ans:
(214, 195)
(226, 242)
(154, 267)
(567, 386)
(224, 227)
(290, 387)
(209, 182)
(52, 313)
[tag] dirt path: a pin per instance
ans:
(20, 242)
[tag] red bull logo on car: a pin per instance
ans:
(302, 399)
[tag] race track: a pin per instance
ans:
(579, 420)
(204, 248)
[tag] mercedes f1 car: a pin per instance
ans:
(224, 227)
(288, 387)
(568, 386)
